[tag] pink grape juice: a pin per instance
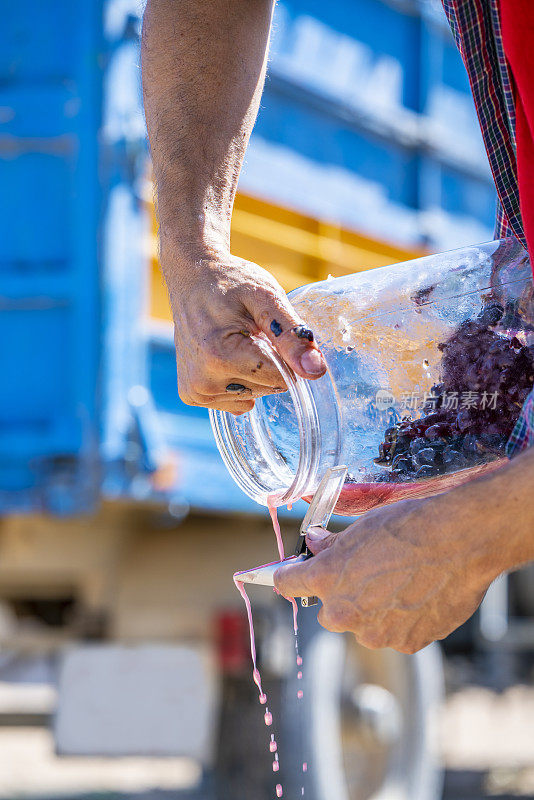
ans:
(256, 676)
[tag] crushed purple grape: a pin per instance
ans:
(448, 437)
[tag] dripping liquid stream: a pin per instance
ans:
(268, 718)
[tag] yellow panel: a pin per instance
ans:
(295, 248)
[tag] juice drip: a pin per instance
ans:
(276, 527)
(300, 693)
(268, 718)
(255, 671)
(295, 612)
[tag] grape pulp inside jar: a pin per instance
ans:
(454, 440)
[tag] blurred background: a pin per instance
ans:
(124, 660)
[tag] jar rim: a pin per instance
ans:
(229, 440)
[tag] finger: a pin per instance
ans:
(371, 639)
(295, 580)
(339, 615)
(410, 648)
(235, 405)
(327, 621)
(240, 408)
(275, 316)
(320, 539)
(252, 389)
(232, 405)
(242, 358)
(233, 390)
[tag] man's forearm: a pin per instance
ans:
(489, 520)
(510, 500)
(203, 72)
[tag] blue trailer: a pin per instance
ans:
(366, 123)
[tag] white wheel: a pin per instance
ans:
(369, 732)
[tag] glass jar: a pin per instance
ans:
(429, 362)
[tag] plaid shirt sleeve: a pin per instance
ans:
(476, 28)
(502, 226)
(523, 433)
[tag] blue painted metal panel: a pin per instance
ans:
(41, 41)
(35, 233)
(376, 25)
(322, 139)
(49, 213)
(462, 195)
(375, 91)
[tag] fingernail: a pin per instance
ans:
(276, 327)
(316, 536)
(312, 362)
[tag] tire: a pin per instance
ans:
(366, 726)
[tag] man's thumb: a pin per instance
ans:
(293, 580)
(319, 539)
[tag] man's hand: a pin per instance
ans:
(204, 66)
(384, 579)
(216, 310)
(408, 574)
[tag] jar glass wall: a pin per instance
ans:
(429, 363)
